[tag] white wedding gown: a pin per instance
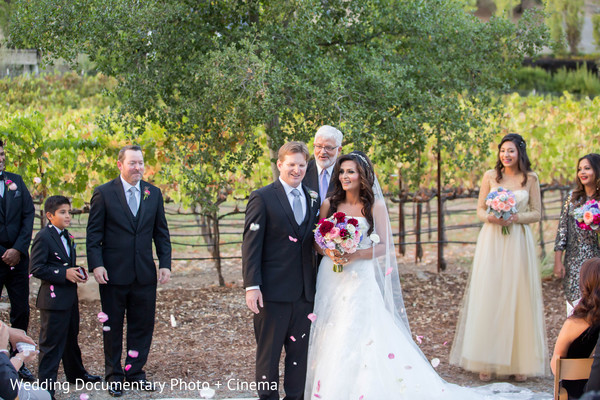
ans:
(357, 351)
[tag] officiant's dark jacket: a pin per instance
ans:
(277, 254)
(123, 245)
(311, 179)
(16, 225)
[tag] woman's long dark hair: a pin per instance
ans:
(367, 180)
(579, 194)
(588, 307)
(524, 164)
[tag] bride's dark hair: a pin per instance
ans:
(367, 180)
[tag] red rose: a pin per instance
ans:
(321, 221)
(325, 227)
(353, 221)
(343, 233)
(339, 216)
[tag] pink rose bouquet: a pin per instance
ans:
(340, 233)
(501, 202)
(587, 216)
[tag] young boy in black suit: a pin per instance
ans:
(53, 261)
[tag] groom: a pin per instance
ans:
(279, 273)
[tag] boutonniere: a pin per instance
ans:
(146, 192)
(313, 197)
(10, 185)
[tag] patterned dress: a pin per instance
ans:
(578, 245)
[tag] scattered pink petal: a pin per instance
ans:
(30, 275)
(391, 356)
(361, 397)
(389, 271)
(293, 338)
(127, 367)
(435, 362)
(52, 287)
(84, 396)
(133, 353)
(445, 343)
(318, 385)
(292, 239)
(264, 377)
(53, 295)
(106, 328)
(407, 367)
(102, 317)
(419, 339)
(312, 317)
(317, 395)
(11, 268)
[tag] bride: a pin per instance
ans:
(360, 342)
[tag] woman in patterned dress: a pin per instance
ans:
(575, 244)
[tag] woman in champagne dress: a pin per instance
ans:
(501, 325)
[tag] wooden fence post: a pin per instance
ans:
(401, 226)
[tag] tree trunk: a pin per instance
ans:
(419, 248)
(273, 126)
(441, 263)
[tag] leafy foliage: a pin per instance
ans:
(391, 74)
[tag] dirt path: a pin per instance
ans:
(212, 342)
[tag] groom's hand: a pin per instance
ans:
(254, 299)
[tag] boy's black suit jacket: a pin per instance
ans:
(49, 263)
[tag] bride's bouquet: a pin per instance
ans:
(587, 216)
(501, 202)
(340, 233)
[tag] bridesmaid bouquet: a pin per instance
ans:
(587, 216)
(501, 202)
(340, 233)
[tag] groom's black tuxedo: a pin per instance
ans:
(278, 256)
(122, 244)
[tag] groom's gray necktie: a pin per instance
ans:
(297, 207)
(132, 202)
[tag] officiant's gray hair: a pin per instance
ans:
(329, 132)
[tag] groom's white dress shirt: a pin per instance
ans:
(288, 192)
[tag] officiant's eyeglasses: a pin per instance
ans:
(328, 149)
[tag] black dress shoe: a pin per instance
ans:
(88, 378)
(115, 389)
(91, 378)
(26, 375)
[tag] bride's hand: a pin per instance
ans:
(333, 254)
